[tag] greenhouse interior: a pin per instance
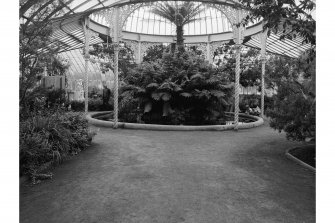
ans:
(89, 68)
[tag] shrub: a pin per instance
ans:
(295, 103)
(78, 106)
(45, 101)
(293, 113)
(51, 137)
(55, 97)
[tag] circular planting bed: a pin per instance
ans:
(304, 155)
(246, 121)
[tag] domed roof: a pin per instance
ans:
(75, 6)
(142, 20)
(211, 25)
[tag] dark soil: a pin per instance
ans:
(305, 154)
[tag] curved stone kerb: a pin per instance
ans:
(91, 117)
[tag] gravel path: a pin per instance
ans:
(132, 176)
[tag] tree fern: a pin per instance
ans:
(178, 14)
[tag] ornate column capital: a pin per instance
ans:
(237, 46)
(115, 18)
(116, 46)
(263, 59)
(213, 47)
(134, 46)
(89, 34)
(87, 56)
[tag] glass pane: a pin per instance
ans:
(87, 5)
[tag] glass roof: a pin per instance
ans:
(77, 70)
(68, 28)
(76, 6)
(143, 20)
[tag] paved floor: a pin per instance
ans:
(134, 176)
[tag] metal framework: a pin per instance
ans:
(84, 21)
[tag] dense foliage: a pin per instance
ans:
(51, 137)
(289, 16)
(35, 34)
(294, 80)
(94, 104)
(294, 104)
(249, 103)
(47, 133)
(154, 53)
(178, 89)
(103, 54)
(250, 65)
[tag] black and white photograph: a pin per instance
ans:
(155, 111)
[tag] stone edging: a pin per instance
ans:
(295, 159)
(92, 120)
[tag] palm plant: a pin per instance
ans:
(179, 14)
